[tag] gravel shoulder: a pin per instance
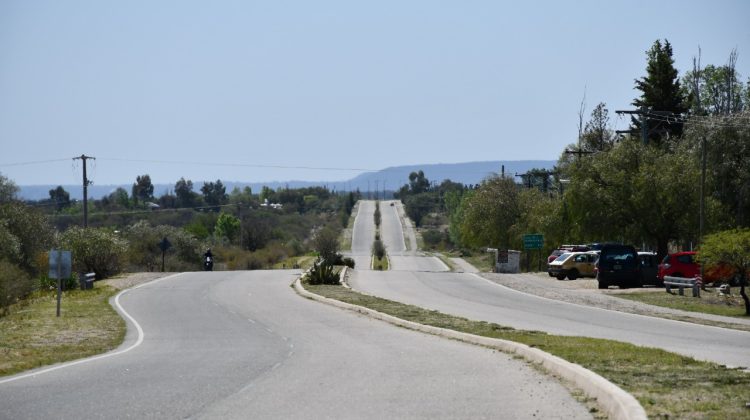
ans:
(128, 280)
(585, 292)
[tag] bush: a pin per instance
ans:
(95, 250)
(378, 249)
(15, 284)
(322, 273)
(144, 252)
(433, 238)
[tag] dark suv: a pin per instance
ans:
(618, 266)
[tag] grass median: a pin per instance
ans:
(668, 385)
(32, 336)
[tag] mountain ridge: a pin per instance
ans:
(388, 179)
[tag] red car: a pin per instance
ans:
(683, 264)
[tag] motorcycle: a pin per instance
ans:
(208, 264)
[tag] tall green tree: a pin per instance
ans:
(8, 189)
(183, 190)
(59, 197)
(637, 194)
(143, 189)
(597, 135)
(727, 140)
(490, 213)
(661, 95)
(214, 193)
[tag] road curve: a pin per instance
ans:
(244, 345)
(422, 283)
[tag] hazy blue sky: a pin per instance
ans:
(323, 84)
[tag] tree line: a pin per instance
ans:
(641, 187)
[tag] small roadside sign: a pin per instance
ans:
(533, 241)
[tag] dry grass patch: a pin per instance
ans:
(32, 336)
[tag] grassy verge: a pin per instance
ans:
(380, 263)
(710, 302)
(303, 262)
(484, 262)
(32, 336)
(447, 261)
(666, 384)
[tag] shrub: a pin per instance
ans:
(95, 250)
(15, 284)
(322, 273)
(144, 252)
(378, 249)
(433, 238)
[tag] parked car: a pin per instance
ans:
(683, 264)
(649, 268)
(565, 248)
(618, 266)
(573, 265)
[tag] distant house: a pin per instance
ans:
(271, 205)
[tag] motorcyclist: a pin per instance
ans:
(208, 260)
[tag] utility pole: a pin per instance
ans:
(578, 152)
(528, 177)
(86, 184)
(644, 124)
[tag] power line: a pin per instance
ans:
(35, 162)
(244, 165)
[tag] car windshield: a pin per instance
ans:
(619, 255)
(563, 257)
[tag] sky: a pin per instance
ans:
(257, 91)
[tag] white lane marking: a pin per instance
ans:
(101, 356)
(253, 322)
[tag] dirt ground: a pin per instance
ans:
(127, 280)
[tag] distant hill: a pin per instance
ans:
(388, 179)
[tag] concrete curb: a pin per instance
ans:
(617, 403)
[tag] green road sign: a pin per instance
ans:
(533, 241)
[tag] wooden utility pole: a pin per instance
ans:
(86, 184)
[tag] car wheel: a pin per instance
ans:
(603, 285)
(561, 276)
(573, 274)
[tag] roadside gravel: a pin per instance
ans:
(586, 292)
(128, 280)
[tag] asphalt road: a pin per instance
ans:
(422, 281)
(244, 345)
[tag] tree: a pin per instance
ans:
(730, 247)
(418, 183)
(8, 189)
(716, 90)
(597, 135)
(661, 95)
(60, 197)
(183, 190)
(636, 193)
(227, 226)
(143, 189)
(419, 205)
(326, 244)
(490, 212)
(727, 141)
(214, 193)
(28, 235)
